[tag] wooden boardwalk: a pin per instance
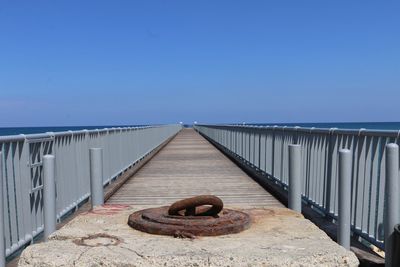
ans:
(189, 165)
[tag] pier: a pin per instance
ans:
(199, 134)
(246, 166)
(188, 166)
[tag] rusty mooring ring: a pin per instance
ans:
(190, 204)
(170, 220)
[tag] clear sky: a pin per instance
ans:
(134, 62)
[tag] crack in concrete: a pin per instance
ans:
(137, 253)
(80, 256)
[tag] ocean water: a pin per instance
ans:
(342, 125)
(345, 125)
(32, 130)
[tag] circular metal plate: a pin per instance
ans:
(157, 221)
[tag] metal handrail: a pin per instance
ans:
(366, 132)
(265, 148)
(21, 137)
(23, 171)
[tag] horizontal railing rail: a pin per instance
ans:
(265, 148)
(22, 172)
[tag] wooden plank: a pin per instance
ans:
(189, 165)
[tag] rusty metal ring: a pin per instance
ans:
(190, 204)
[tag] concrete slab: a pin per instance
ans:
(277, 237)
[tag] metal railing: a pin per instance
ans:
(22, 172)
(265, 148)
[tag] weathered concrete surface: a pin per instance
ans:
(277, 237)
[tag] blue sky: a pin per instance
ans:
(135, 62)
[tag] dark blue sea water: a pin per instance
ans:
(31, 130)
(345, 125)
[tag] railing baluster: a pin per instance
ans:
(295, 181)
(96, 176)
(49, 195)
(2, 245)
(392, 200)
(344, 198)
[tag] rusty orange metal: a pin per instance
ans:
(197, 220)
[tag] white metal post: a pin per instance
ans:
(344, 198)
(392, 200)
(49, 195)
(2, 245)
(295, 181)
(96, 176)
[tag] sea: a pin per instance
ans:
(343, 125)
(32, 130)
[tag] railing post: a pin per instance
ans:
(96, 176)
(295, 180)
(2, 245)
(328, 188)
(49, 195)
(392, 200)
(344, 198)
